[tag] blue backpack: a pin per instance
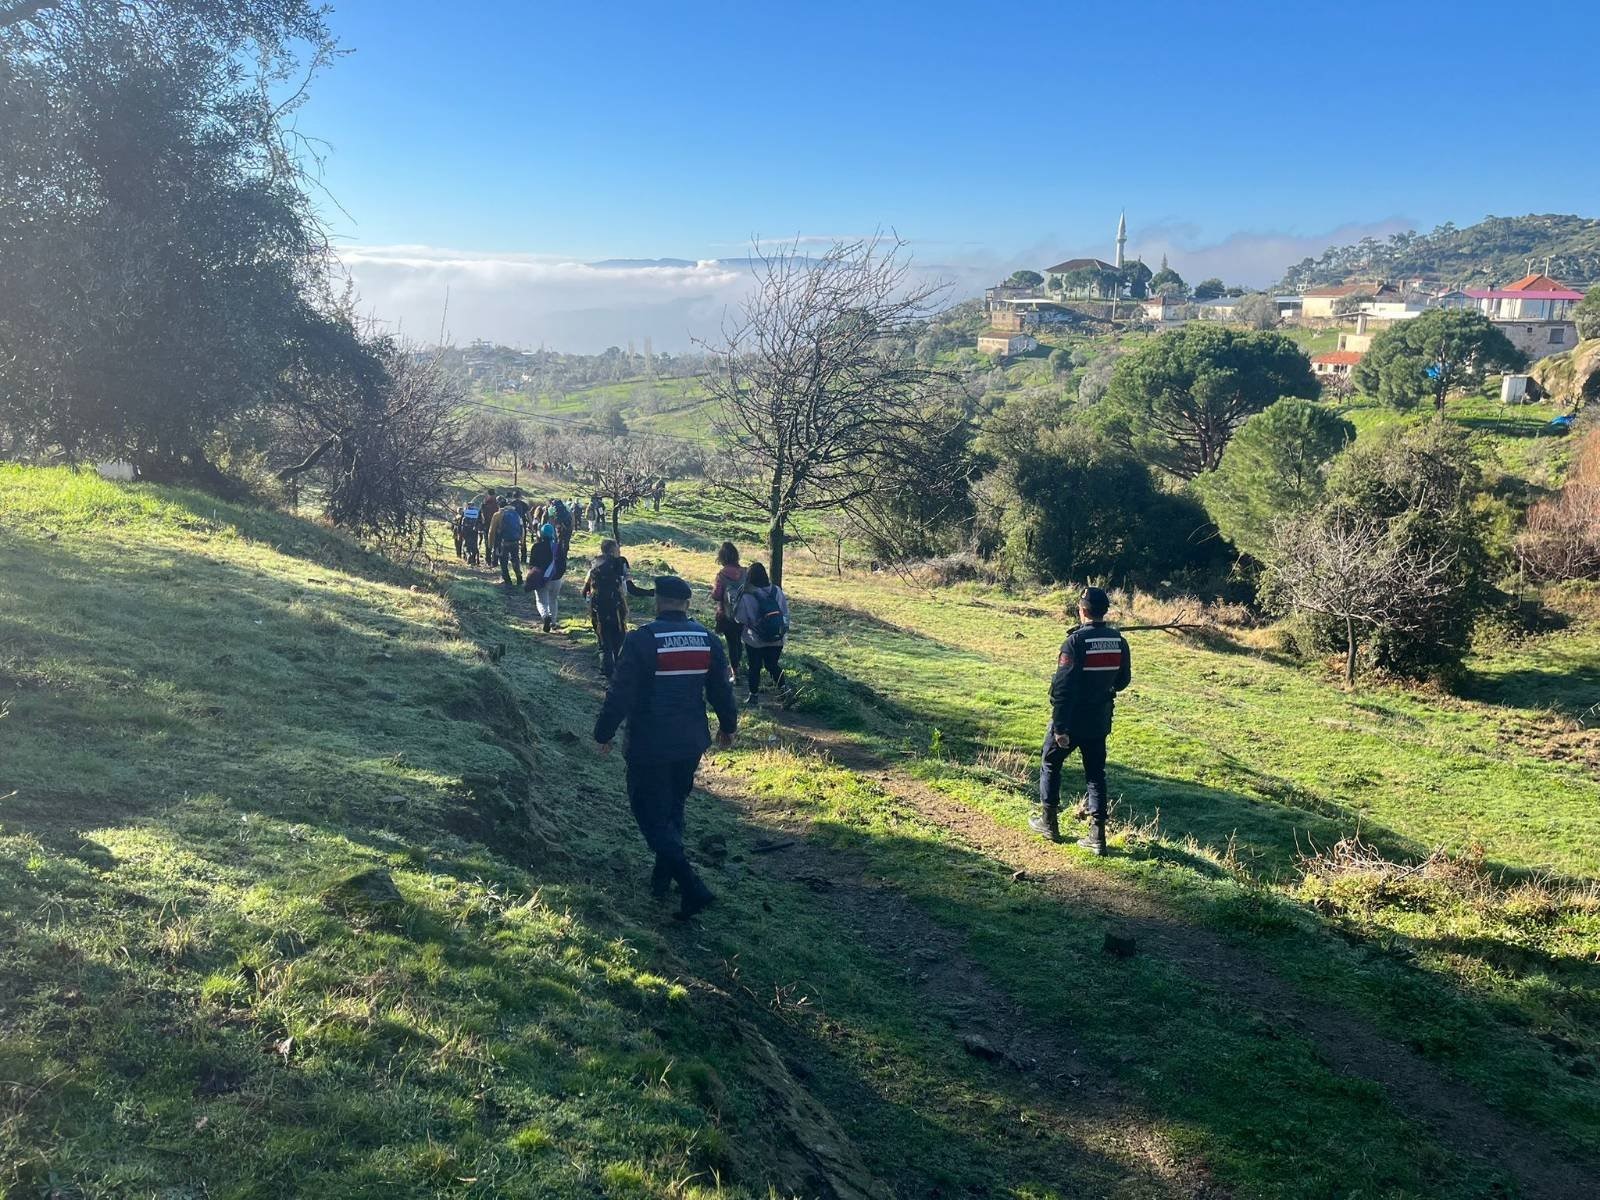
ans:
(510, 525)
(771, 626)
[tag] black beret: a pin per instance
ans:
(671, 587)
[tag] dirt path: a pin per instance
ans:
(1081, 1106)
(994, 1028)
(1544, 1170)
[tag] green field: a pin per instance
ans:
(673, 407)
(317, 889)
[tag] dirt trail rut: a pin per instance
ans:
(1544, 1169)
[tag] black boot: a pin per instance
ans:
(1095, 840)
(661, 879)
(1046, 822)
(695, 902)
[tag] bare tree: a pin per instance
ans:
(508, 436)
(621, 469)
(386, 437)
(1358, 571)
(813, 386)
(1562, 537)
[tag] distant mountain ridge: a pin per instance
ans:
(1496, 250)
(626, 264)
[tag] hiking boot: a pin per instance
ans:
(752, 697)
(1045, 823)
(1095, 840)
(695, 904)
(547, 624)
(661, 880)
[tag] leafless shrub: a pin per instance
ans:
(1562, 538)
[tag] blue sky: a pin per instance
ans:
(1238, 136)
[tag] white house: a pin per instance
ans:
(1005, 344)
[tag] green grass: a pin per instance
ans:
(317, 890)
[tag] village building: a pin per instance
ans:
(1165, 310)
(1535, 314)
(1336, 364)
(1005, 344)
(1322, 304)
(1070, 278)
(1223, 308)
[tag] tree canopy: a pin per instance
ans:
(1434, 354)
(1026, 278)
(813, 395)
(1209, 289)
(1167, 279)
(1272, 469)
(1178, 399)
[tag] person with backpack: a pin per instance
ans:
(508, 543)
(561, 517)
(726, 590)
(607, 588)
(471, 526)
(1091, 668)
(490, 506)
(520, 503)
(667, 672)
(763, 615)
(547, 565)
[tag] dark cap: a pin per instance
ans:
(1095, 601)
(671, 587)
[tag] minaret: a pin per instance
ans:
(1122, 237)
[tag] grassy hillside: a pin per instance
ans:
(320, 891)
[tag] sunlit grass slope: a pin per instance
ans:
(285, 902)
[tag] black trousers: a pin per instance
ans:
(732, 633)
(508, 560)
(1092, 750)
(609, 629)
(765, 656)
(656, 793)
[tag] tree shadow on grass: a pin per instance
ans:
(1573, 691)
(1235, 1070)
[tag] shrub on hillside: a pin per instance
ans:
(1562, 538)
(1397, 559)
(1072, 506)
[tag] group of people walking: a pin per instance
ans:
(663, 674)
(515, 532)
(667, 671)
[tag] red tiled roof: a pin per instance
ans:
(1348, 358)
(1534, 283)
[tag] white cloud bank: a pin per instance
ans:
(531, 300)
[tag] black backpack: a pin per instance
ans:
(606, 587)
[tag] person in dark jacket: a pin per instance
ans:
(1092, 667)
(547, 565)
(666, 673)
(607, 588)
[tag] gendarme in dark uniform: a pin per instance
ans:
(1091, 668)
(666, 673)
